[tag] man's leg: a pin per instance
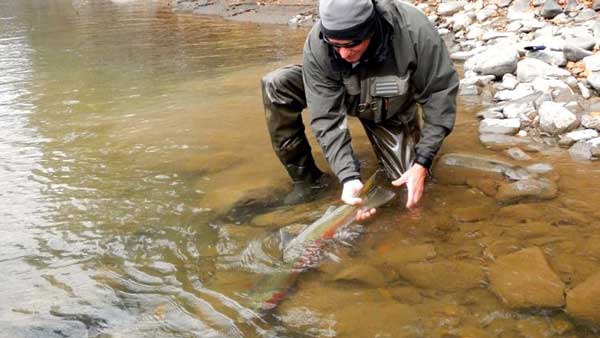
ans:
(394, 144)
(284, 100)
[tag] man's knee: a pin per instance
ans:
(284, 86)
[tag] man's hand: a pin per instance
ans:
(350, 194)
(414, 178)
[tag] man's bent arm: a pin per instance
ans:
(436, 86)
(325, 101)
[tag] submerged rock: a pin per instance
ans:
(445, 276)
(537, 189)
(362, 274)
(524, 280)
(583, 302)
(400, 255)
(518, 154)
(455, 168)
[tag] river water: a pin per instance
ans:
(127, 132)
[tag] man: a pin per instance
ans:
(375, 61)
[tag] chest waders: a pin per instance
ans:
(383, 103)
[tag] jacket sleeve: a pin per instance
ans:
(436, 86)
(325, 102)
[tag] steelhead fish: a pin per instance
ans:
(304, 251)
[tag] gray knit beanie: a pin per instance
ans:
(347, 19)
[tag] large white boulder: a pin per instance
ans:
(530, 69)
(556, 119)
(496, 60)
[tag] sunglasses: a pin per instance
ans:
(351, 44)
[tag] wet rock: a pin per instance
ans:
(537, 189)
(499, 141)
(524, 279)
(586, 15)
(492, 113)
(556, 119)
(579, 135)
(500, 126)
(451, 8)
(453, 168)
(550, 9)
(581, 151)
(582, 301)
(518, 154)
(445, 275)
(574, 53)
(495, 61)
(530, 69)
(362, 274)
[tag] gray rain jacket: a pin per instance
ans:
(418, 65)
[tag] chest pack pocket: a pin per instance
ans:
(383, 96)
